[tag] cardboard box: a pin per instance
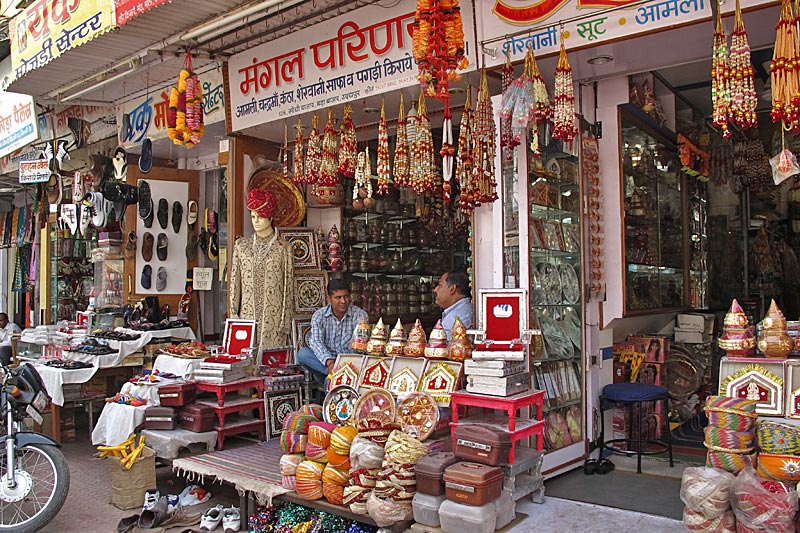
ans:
(128, 486)
(691, 322)
(690, 336)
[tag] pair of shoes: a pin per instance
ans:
(228, 516)
(154, 516)
(593, 466)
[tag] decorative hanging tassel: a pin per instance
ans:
(313, 153)
(784, 69)
(348, 150)
(541, 112)
(299, 175)
(720, 78)
(328, 167)
(447, 152)
(383, 169)
(564, 99)
(485, 139)
(423, 172)
(506, 136)
(401, 163)
(465, 156)
(285, 150)
(743, 92)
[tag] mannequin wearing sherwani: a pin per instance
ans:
(262, 284)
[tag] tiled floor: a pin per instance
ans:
(88, 508)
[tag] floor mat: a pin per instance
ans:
(624, 490)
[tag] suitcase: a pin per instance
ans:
(198, 418)
(473, 483)
(429, 472)
(482, 444)
(177, 395)
(160, 418)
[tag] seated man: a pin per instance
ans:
(453, 296)
(7, 329)
(331, 331)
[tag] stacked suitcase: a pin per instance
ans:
(495, 377)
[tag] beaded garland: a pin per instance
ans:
(485, 141)
(564, 99)
(743, 94)
(348, 140)
(383, 169)
(507, 140)
(422, 163)
(313, 153)
(401, 170)
(541, 113)
(299, 175)
(285, 151)
(785, 69)
(465, 155)
(363, 184)
(328, 168)
(720, 79)
(185, 117)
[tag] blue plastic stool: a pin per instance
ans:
(629, 394)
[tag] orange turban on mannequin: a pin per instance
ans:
(262, 202)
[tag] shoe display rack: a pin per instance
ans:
(231, 403)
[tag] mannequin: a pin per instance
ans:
(262, 280)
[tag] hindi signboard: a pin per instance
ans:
(46, 29)
(36, 171)
(125, 10)
(202, 277)
(147, 116)
(17, 122)
(365, 52)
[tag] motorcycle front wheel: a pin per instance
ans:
(41, 488)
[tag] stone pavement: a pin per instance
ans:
(88, 508)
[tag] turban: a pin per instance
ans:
(262, 202)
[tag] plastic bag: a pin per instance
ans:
(695, 521)
(366, 454)
(706, 490)
(387, 512)
(784, 166)
(763, 505)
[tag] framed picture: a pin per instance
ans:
(309, 291)
(239, 335)
(305, 250)
(301, 330)
(278, 406)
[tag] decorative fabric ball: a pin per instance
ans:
(742, 441)
(342, 439)
(402, 449)
(341, 462)
(313, 409)
(333, 493)
(696, 521)
(316, 453)
(706, 490)
(366, 454)
(289, 463)
(730, 462)
(335, 475)
(376, 427)
(309, 480)
(292, 442)
(298, 422)
(319, 433)
(289, 482)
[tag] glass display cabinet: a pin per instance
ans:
(664, 220)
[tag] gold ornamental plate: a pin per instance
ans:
(291, 204)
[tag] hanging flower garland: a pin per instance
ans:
(401, 170)
(313, 153)
(506, 135)
(299, 175)
(720, 79)
(348, 150)
(742, 86)
(784, 69)
(564, 99)
(438, 45)
(485, 147)
(328, 167)
(383, 169)
(464, 160)
(541, 112)
(422, 163)
(185, 118)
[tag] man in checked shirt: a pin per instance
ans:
(331, 331)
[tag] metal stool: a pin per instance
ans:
(630, 394)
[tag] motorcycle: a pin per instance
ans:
(34, 476)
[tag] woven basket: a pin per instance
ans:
(777, 438)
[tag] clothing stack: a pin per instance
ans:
(730, 433)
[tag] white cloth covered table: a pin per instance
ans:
(167, 443)
(116, 423)
(179, 366)
(55, 378)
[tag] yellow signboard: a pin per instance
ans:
(48, 28)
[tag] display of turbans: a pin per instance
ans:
(342, 439)
(762, 504)
(288, 465)
(730, 435)
(294, 437)
(309, 480)
(338, 461)
(366, 454)
(292, 442)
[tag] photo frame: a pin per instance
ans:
(278, 406)
(239, 335)
(301, 330)
(309, 291)
(304, 246)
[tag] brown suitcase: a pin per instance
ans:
(429, 471)
(160, 418)
(198, 418)
(473, 483)
(177, 395)
(482, 444)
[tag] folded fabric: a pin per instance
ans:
(292, 442)
(309, 480)
(335, 475)
(313, 409)
(319, 433)
(333, 493)
(298, 422)
(366, 454)
(289, 482)
(342, 439)
(316, 453)
(341, 462)
(289, 462)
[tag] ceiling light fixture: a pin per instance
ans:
(600, 60)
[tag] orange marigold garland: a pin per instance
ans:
(401, 170)
(299, 175)
(348, 149)
(564, 99)
(383, 169)
(185, 117)
(438, 45)
(313, 152)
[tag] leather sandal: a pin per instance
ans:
(162, 246)
(161, 279)
(147, 246)
(130, 246)
(145, 202)
(590, 466)
(147, 276)
(191, 246)
(604, 466)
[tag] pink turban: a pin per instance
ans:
(262, 202)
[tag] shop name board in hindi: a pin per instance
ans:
(17, 122)
(36, 171)
(202, 278)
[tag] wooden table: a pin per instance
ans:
(224, 408)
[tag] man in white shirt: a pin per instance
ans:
(452, 294)
(7, 329)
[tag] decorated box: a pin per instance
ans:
(406, 375)
(375, 372)
(754, 379)
(440, 379)
(792, 377)
(346, 370)
(502, 332)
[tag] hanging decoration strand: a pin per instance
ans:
(383, 169)
(743, 93)
(564, 99)
(720, 78)
(401, 163)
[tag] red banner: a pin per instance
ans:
(125, 10)
(541, 9)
